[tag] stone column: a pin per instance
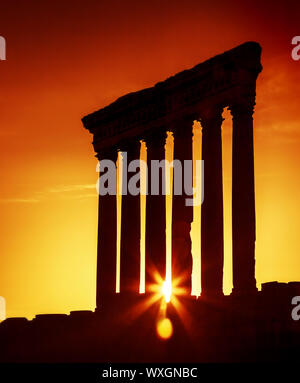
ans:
(243, 202)
(130, 226)
(107, 243)
(155, 212)
(212, 242)
(182, 215)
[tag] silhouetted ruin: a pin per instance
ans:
(248, 325)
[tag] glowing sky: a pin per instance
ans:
(66, 59)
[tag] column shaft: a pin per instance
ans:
(130, 229)
(107, 241)
(243, 200)
(182, 215)
(155, 213)
(212, 242)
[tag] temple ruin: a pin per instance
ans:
(248, 325)
(201, 93)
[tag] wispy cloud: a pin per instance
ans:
(19, 200)
(83, 196)
(77, 191)
(72, 188)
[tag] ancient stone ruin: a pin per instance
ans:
(248, 325)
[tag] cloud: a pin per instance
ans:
(82, 196)
(72, 188)
(19, 200)
(79, 191)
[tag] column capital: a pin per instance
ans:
(211, 118)
(108, 154)
(155, 135)
(242, 106)
(129, 145)
(182, 127)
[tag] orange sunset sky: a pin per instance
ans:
(66, 59)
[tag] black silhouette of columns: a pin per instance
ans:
(107, 241)
(182, 215)
(243, 200)
(212, 242)
(155, 212)
(130, 226)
